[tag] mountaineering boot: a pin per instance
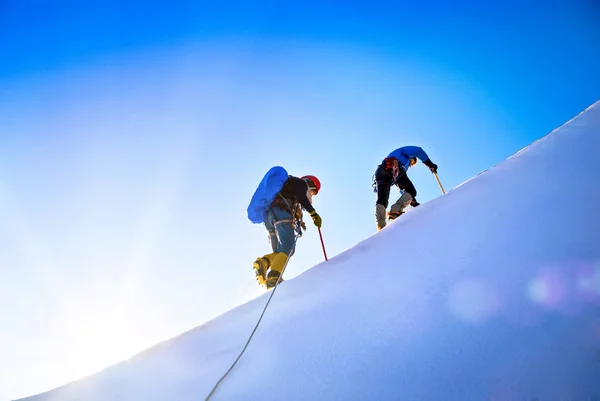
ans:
(394, 215)
(273, 261)
(261, 265)
(277, 261)
(272, 279)
(397, 208)
(380, 216)
(260, 269)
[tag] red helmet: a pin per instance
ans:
(311, 179)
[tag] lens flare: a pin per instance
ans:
(548, 290)
(588, 282)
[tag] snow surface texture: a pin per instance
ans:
(489, 292)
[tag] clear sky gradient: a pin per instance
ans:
(133, 136)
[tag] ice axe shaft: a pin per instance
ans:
(322, 243)
(439, 183)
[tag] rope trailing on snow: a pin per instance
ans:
(257, 323)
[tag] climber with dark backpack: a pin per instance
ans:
(278, 203)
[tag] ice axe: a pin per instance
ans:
(322, 244)
(439, 183)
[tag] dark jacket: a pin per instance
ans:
(294, 190)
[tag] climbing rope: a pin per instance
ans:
(257, 323)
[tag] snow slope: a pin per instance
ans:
(489, 292)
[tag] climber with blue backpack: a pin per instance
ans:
(278, 203)
(392, 171)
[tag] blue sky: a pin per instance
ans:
(133, 137)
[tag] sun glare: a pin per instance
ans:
(99, 343)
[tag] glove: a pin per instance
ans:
(414, 202)
(316, 218)
(303, 225)
(432, 166)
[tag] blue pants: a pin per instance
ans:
(279, 224)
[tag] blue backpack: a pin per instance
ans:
(265, 194)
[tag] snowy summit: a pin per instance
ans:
(491, 291)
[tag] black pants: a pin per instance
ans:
(384, 179)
